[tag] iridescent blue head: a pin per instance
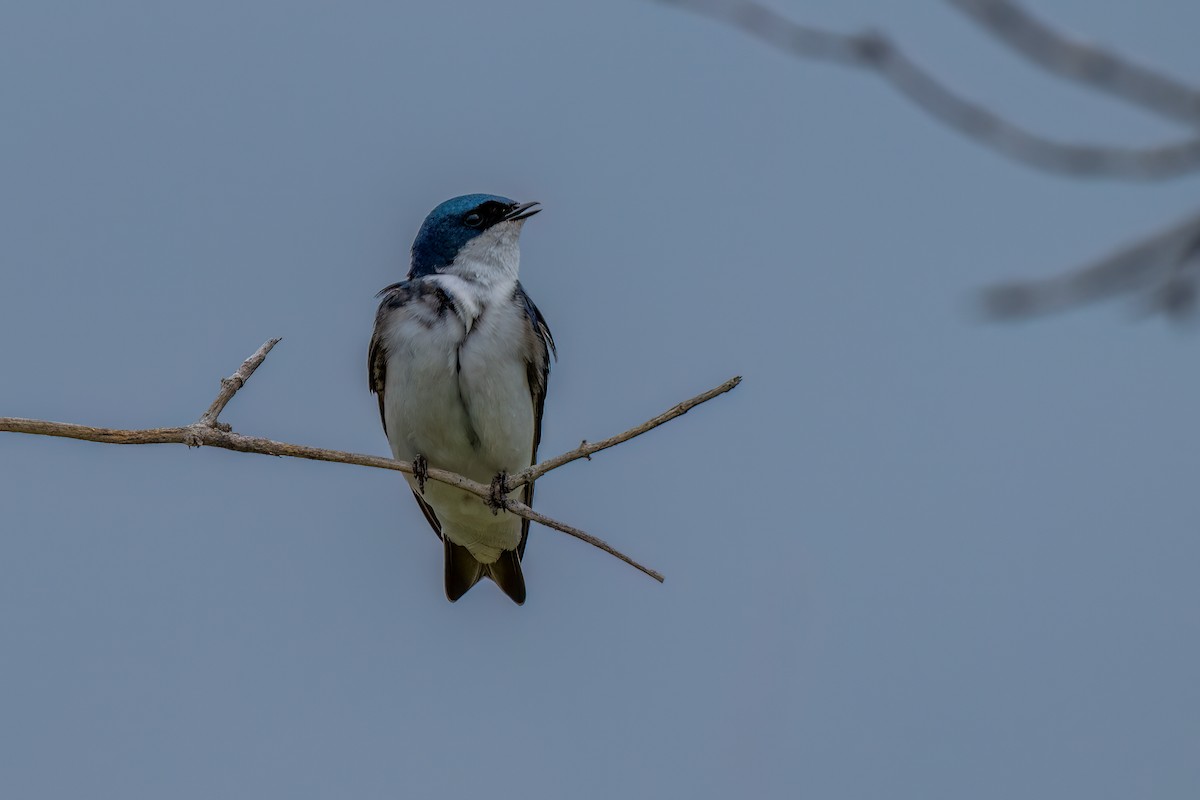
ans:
(455, 223)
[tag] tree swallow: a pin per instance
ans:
(459, 360)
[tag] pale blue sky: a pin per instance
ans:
(914, 555)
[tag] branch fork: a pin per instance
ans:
(1099, 69)
(1162, 265)
(209, 431)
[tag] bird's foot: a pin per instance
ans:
(421, 471)
(498, 499)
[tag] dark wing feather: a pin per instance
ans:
(394, 296)
(537, 371)
(430, 516)
(427, 303)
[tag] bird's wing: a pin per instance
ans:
(418, 297)
(539, 347)
(430, 516)
(377, 353)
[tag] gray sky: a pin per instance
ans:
(913, 555)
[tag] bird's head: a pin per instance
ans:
(475, 227)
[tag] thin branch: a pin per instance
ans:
(1087, 63)
(876, 53)
(586, 448)
(1157, 262)
(207, 431)
(230, 385)
(525, 511)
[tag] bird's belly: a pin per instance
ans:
(423, 412)
(475, 425)
(466, 409)
(467, 521)
(495, 392)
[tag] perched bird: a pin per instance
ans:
(459, 360)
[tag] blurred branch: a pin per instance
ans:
(877, 53)
(208, 431)
(1084, 62)
(1163, 263)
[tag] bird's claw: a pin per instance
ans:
(421, 472)
(498, 498)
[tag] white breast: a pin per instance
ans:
(457, 392)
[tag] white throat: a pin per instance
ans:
(484, 271)
(492, 257)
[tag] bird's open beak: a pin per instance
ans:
(522, 211)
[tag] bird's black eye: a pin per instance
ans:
(473, 220)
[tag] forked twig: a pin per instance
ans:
(209, 432)
(1156, 261)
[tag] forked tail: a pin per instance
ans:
(463, 571)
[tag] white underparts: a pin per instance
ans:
(457, 388)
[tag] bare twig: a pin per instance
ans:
(230, 385)
(207, 431)
(1158, 261)
(877, 53)
(586, 448)
(1087, 63)
(525, 511)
